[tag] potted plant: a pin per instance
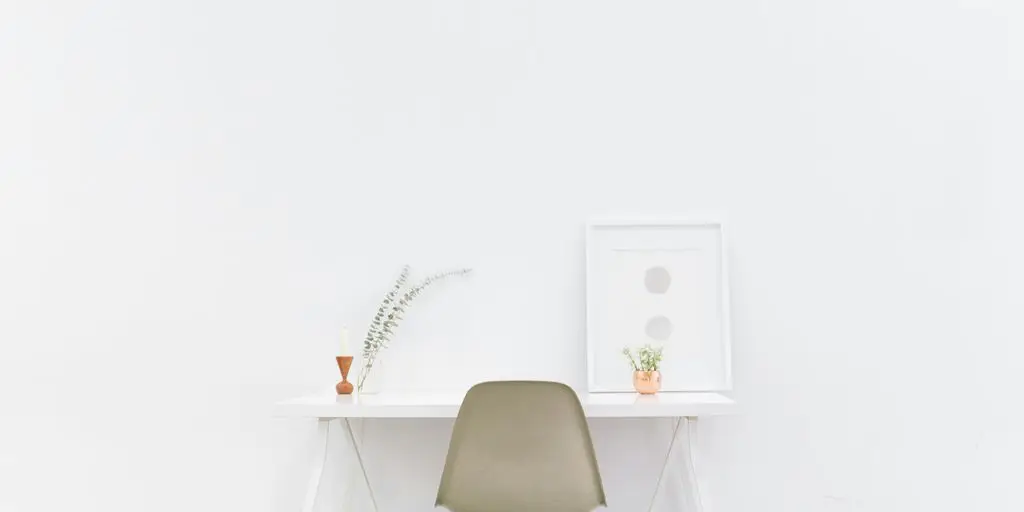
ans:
(645, 362)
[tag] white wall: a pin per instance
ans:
(195, 195)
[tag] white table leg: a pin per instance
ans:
(691, 477)
(348, 480)
(676, 423)
(319, 458)
(681, 451)
(356, 448)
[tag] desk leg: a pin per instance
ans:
(691, 478)
(348, 481)
(319, 458)
(676, 423)
(356, 448)
(681, 451)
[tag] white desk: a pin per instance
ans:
(683, 408)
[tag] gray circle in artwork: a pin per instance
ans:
(657, 280)
(659, 328)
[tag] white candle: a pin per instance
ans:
(344, 342)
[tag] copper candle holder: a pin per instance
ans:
(344, 364)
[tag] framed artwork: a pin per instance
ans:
(661, 282)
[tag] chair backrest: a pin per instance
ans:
(521, 446)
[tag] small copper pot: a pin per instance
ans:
(647, 383)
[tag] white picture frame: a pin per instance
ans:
(673, 273)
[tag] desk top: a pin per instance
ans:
(446, 405)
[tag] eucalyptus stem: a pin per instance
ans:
(390, 313)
